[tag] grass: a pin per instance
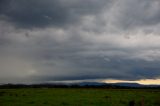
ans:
(78, 97)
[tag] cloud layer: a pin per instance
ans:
(75, 40)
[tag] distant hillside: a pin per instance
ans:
(115, 84)
(128, 84)
(134, 85)
(91, 84)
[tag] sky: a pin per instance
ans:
(60, 40)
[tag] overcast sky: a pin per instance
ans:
(52, 40)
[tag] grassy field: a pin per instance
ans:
(78, 97)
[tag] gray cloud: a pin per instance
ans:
(128, 14)
(40, 13)
(76, 40)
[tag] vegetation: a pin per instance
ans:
(79, 97)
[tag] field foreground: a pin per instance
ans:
(79, 97)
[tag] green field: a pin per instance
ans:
(78, 97)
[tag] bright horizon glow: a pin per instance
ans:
(143, 81)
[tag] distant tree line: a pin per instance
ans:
(109, 86)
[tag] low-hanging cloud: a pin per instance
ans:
(75, 40)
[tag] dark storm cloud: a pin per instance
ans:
(50, 40)
(124, 70)
(40, 13)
